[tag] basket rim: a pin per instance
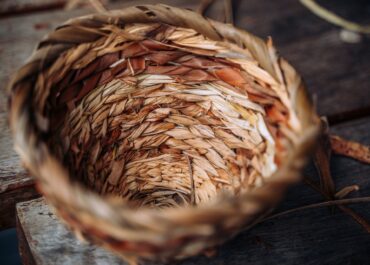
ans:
(27, 136)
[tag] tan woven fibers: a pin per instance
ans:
(155, 107)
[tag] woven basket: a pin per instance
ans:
(158, 133)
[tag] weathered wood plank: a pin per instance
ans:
(21, 191)
(335, 71)
(23, 247)
(13, 7)
(15, 184)
(316, 236)
(288, 20)
(40, 234)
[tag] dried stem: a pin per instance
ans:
(345, 191)
(333, 18)
(322, 162)
(322, 204)
(359, 219)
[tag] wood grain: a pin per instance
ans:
(40, 235)
(23, 247)
(15, 7)
(15, 184)
(20, 191)
(314, 237)
(336, 73)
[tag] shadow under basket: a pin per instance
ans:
(158, 133)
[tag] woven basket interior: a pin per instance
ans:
(162, 116)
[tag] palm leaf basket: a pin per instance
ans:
(158, 133)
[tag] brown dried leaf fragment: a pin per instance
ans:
(349, 148)
(116, 172)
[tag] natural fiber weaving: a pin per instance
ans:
(158, 133)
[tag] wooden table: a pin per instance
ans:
(337, 75)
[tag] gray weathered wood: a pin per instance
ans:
(13, 7)
(44, 234)
(15, 184)
(336, 72)
(316, 236)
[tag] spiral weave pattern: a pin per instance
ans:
(158, 133)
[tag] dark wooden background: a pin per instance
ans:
(337, 75)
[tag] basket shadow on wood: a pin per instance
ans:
(159, 133)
